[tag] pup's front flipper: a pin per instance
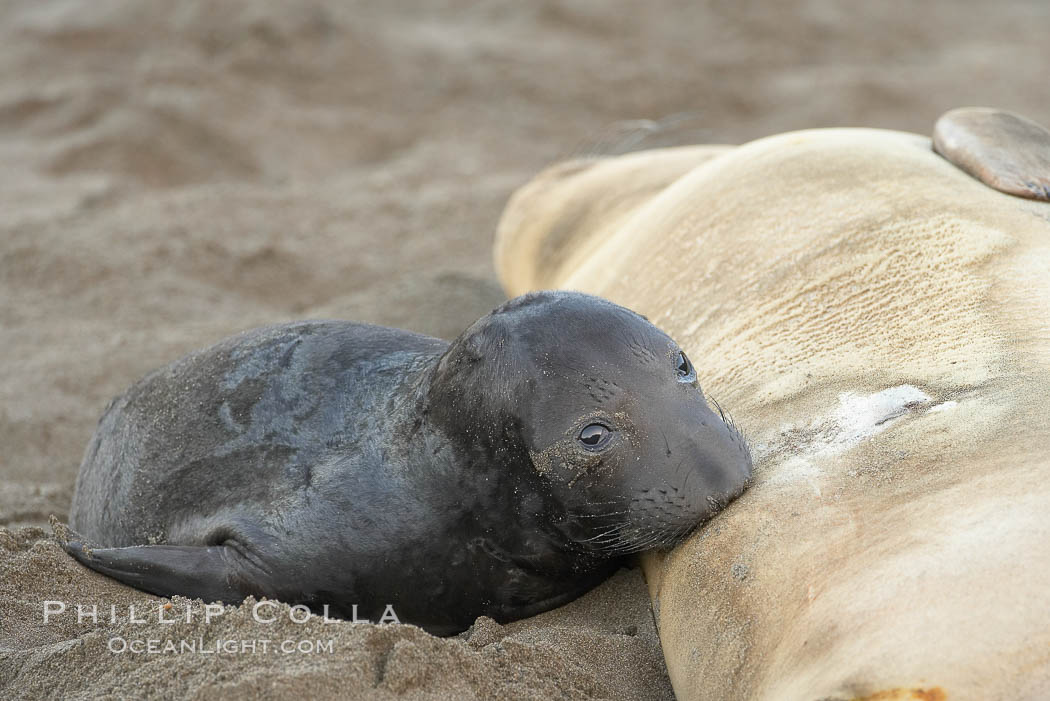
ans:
(209, 572)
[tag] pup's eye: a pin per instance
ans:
(595, 436)
(686, 371)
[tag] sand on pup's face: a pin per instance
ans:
(880, 323)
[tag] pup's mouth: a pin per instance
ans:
(656, 519)
(659, 518)
(628, 538)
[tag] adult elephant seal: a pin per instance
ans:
(883, 321)
(342, 464)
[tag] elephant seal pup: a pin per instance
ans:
(1003, 150)
(349, 465)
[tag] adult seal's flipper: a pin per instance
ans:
(1004, 151)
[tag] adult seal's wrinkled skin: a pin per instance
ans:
(341, 464)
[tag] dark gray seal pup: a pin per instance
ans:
(341, 464)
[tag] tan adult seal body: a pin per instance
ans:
(883, 320)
